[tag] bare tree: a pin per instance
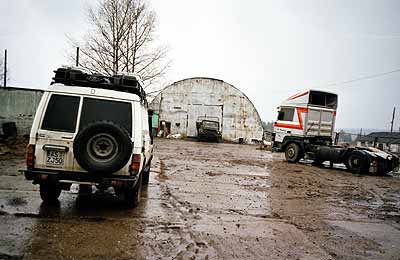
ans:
(122, 39)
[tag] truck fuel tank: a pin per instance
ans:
(334, 154)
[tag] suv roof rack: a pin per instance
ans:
(73, 76)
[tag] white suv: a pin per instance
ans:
(91, 130)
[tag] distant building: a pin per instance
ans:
(18, 105)
(344, 137)
(385, 141)
(182, 103)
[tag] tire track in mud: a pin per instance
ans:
(188, 213)
(191, 245)
(323, 197)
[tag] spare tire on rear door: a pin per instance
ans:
(102, 147)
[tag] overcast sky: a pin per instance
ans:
(268, 49)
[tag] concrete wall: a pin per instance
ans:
(19, 105)
(184, 101)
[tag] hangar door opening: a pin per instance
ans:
(201, 110)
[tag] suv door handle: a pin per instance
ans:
(66, 137)
(60, 148)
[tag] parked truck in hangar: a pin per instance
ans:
(304, 130)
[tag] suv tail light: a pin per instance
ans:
(135, 163)
(30, 156)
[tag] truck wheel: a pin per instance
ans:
(50, 191)
(102, 147)
(293, 153)
(357, 162)
(132, 194)
(146, 174)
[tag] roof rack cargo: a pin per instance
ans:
(73, 76)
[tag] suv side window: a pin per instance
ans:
(61, 113)
(100, 109)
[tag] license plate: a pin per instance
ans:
(55, 158)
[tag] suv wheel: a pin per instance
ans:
(49, 191)
(102, 147)
(132, 194)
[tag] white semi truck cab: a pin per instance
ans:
(304, 129)
(308, 115)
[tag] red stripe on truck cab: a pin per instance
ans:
(298, 95)
(300, 126)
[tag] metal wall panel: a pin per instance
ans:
(19, 105)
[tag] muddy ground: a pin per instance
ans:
(208, 201)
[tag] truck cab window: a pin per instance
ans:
(286, 114)
(323, 99)
(317, 99)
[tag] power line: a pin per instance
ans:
(337, 83)
(343, 82)
(362, 78)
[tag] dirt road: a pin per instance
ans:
(208, 201)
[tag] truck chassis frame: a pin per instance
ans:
(320, 149)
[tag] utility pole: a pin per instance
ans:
(5, 68)
(77, 56)
(391, 123)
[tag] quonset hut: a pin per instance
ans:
(182, 103)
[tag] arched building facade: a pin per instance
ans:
(183, 102)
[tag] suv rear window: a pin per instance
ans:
(99, 109)
(61, 113)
